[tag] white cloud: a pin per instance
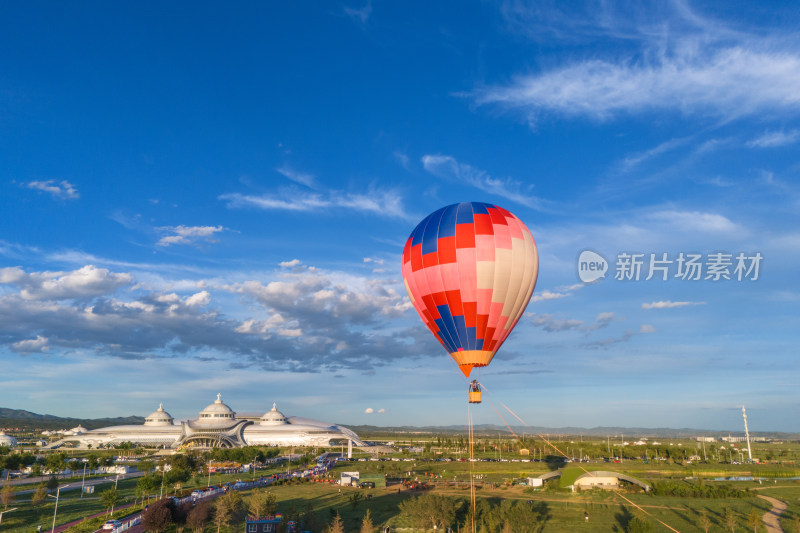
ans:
(62, 190)
(297, 202)
(289, 264)
(361, 14)
(187, 234)
(634, 160)
(725, 82)
(39, 344)
(605, 343)
(369, 410)
(306, 321)
(447, 167)
(647, 328)
(668, 304)
(386, 203)
(696, 220)
(603, 319)
(199, 299)
(547, 295)
(551, 324)
(298, 177)
(88, 281)
(381, 410)
(772, 139)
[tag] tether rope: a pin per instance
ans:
(471, 466)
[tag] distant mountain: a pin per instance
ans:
(600, 431)
(19, 418)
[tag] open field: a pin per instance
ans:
(443, 467)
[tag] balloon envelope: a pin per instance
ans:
(470, 270)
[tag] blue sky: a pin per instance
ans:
(200, 198)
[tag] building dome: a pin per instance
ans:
(216, 414)
(78, 430)
(7, 440)
(159, 417)
(273, 417)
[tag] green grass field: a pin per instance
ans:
(559, 509)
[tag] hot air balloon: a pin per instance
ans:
(470, 270)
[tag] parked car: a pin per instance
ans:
(111, 525)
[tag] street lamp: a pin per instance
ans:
(55, 511)
(83, 480)
(6, 511)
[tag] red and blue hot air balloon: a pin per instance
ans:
(470, 270)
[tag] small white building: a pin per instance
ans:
(349, 478)
(591, 481)
(116, 469)
(535, 482)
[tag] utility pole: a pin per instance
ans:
(747, 436)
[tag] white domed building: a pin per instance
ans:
(7, 440)
(219, 426)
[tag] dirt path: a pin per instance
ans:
(771, 517)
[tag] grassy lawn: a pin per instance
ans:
(562, 511)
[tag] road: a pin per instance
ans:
(771, 518)
(72, 485)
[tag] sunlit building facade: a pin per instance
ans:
(217, 426)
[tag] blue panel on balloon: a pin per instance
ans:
(461, 327)
(447, 226)
(471, 338)
(430, 236)
(449, 326)
(480, 208)
(465, 214)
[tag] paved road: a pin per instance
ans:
(771, 518)
(72, 485)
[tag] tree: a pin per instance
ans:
(355, 499)
(729, 517)
(158, 515)
(147, 484)
(430, 510)
(639, 524)
(55, 463)
(180, 515)
(262, 504)
(52, 483)
(110, 498)
(7, 495)
(336, 526)
(754, 520)
(199, 517)
(366, 523)
(229, 509)
(705, 521)
(309, 519)
(38, 498)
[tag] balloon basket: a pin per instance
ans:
(474, 394)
